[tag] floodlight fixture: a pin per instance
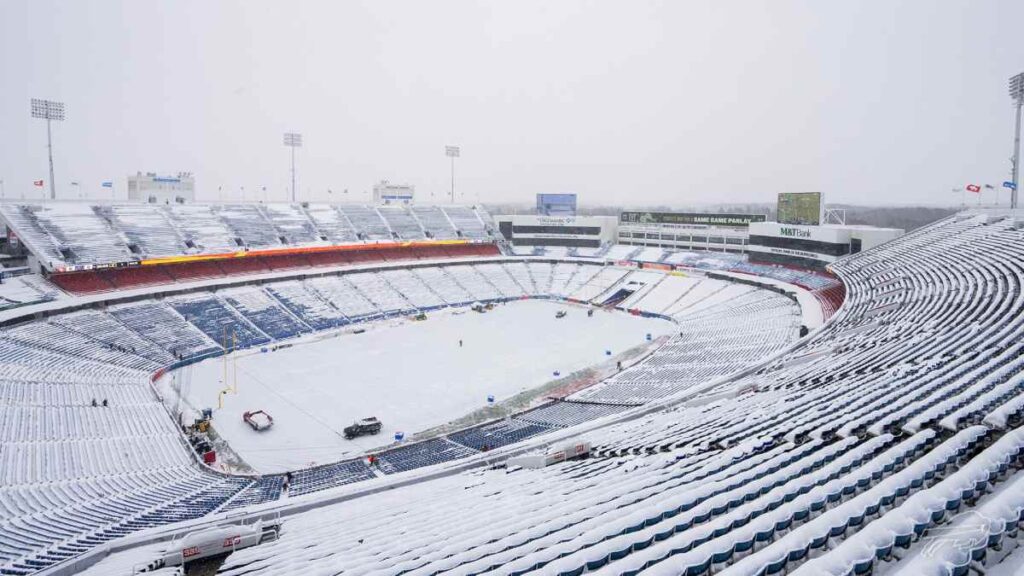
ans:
(452, 152)
(293, 140)
(1017, 94)
(49, 110)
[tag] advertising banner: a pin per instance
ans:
(702, 218)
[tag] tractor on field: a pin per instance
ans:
(363, 427)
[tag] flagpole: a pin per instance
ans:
(1016, 157)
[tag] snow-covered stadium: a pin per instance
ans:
(614, 410)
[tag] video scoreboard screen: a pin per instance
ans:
(799, 208)
(556, 204)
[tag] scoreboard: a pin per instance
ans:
(556, 204)
(799, 208)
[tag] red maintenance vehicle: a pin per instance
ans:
(258, 419)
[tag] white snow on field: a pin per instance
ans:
(411, 375)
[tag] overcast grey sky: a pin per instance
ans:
(622, 102)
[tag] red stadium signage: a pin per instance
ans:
(657, 266)
(268, 252)
(294, 251)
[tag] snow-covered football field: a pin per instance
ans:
(411, 375)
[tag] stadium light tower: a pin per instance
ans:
(49, 110)
(293, 140)
(1017, 93)
(453, 153)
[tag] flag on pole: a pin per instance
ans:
(38, 183)
(973, 188)
(108, 184)
(989, 187)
